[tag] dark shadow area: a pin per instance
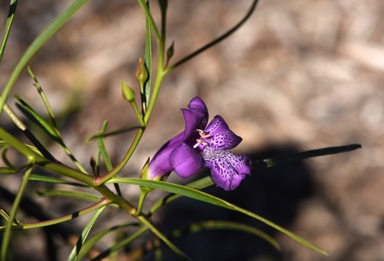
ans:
(273, 193)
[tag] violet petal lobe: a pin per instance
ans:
(160, 164)
(185, 161)
(192, 122)
(198, 106)
(220, 136)
(227, 169)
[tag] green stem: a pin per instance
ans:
(143, 195)
(137, 112)
(101, 180)
(12, 216)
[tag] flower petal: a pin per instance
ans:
(196, 118)
(221, 137)
(192, 122)
(227, 169)
(159, 164)
(185, 161)
(198, 106)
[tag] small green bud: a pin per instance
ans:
(141, 72)
(170, 51)
(128, 93)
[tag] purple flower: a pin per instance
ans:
(200, 145)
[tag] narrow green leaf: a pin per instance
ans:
(12, 216)
(155, 231)
(305, 155)
(8, 25)
(121, 244)
(217, 40)
(31, 114)
(114, 132)
(84, 234)
(92, 241)
(148, 57)
(47, 33)
(50, 129)
(228, 225)
(69, 194)
(51, 222)
(4, 214)
(45, 101)
(202, 196)
(41, 178)
(198, 184)
(103, 151)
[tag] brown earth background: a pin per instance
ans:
(299, 75)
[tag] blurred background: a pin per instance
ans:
(299, 75)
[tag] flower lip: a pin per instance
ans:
(227, 168)
(218, 135)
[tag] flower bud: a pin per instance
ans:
(128, 93)
(141, 72)
(170, 51)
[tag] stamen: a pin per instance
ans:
(199, 142)
(204, 135)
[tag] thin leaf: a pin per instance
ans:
(12, 216)
(31, 114)
(305, 155)
(101, 145)
(226, 225)
(202, 196)
(50, 129)
(120, 244)
(41, 178)
(198, 184)
(92, 241)
(84, 234)
(45, 101)
(114, 132)
(217, 40)
(45, 223)
(8, 25)
(104, 153)
(160, 235)
(69, 194)
(148, 58)
(53, 124)
(47, 33)
(4, 214)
